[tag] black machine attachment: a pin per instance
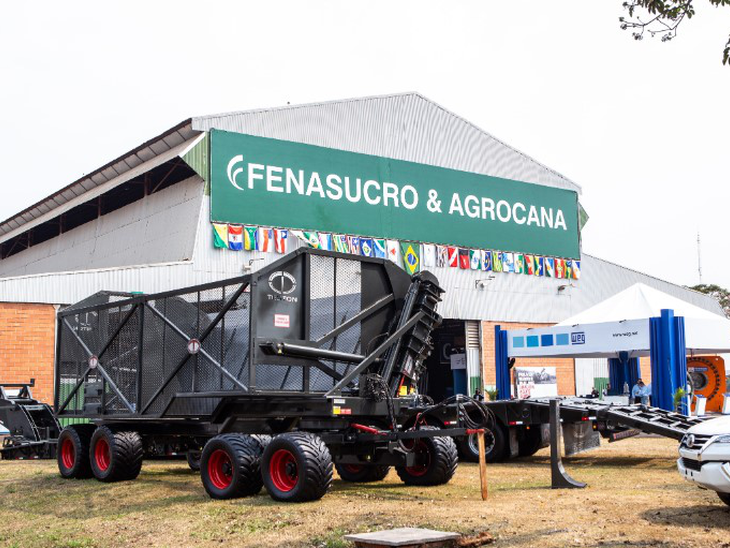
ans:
(33, 430)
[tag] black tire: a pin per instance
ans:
(72, 451)
(230, 466)
(262, 439)
(361, 473)
(115, 456)
(442, 459)
(495, 446)
(193, 457)
(531, 441)
(297, 467)
(724, 497)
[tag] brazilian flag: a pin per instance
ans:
(410, 251)
(220, 235)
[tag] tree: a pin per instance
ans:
(721, 294)
(662, 17)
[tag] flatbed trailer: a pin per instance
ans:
(272, 377)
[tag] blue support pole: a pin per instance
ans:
(668, 358)
(501, 363)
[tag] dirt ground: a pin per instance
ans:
(634, 497)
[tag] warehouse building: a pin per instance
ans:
(395, 174)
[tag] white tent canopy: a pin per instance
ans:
(621, 323)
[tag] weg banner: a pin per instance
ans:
(262, 181)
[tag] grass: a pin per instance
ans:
(634, 498)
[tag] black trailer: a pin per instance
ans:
(275, 376)
(32, 428)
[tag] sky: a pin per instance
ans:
(643, 127)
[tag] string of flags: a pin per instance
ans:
(413, 256)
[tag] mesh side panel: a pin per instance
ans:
(121, 359)
(73, 362)
(322, 293)
(279, 377)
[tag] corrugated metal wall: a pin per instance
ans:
(160, 228)
(504, 298)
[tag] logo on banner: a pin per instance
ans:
(233, 173)
(578, 338)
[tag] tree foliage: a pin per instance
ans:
(721, 294)
(662, 18)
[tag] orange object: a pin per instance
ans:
(708, 379)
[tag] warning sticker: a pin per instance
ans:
(281, 320)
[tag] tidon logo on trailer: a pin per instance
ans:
(283, 284)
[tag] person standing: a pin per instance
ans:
(478, 395)
(639, 391)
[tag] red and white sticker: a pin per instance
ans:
(281, 320)
(193, 346)
(93, 362)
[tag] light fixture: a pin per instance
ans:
(249, 267)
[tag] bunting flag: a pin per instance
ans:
(311, 239)
(559, 268)
(519, 263)
(220, 235)
(475, 259)
(281, 235)
(568, 269)
(539, 266)
(428, 255)
(453, 256)
(463, 258)
(379, 248)
(442, 256)
(250, 237)
(411, 260)
(530, 265)
(366, 247)
(235, 237)
(325, 241)
(340, 243)
(508, 262)
(487, 261)
(496, 261)
(266, 239)
(549, 267)
(392, 247)
(354, 244)
(575, 271)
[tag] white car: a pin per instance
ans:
(705, 456)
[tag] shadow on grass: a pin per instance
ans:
(712, 516)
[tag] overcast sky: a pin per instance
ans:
(643, 127)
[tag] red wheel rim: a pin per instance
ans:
(68, 453)
(353, 468)
(421, 448)
(102, 454)
(220, 469)
(283, 470)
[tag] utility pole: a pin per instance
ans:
(699, 258)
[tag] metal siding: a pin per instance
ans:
(506, 298)
(148, 231)
(405, 127)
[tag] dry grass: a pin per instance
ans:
(635, 498)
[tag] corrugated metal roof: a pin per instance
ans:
(80, 190)
(404, 126)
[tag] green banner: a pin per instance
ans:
(261, 181)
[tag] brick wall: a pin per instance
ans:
(27, 340)
(565, 367)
